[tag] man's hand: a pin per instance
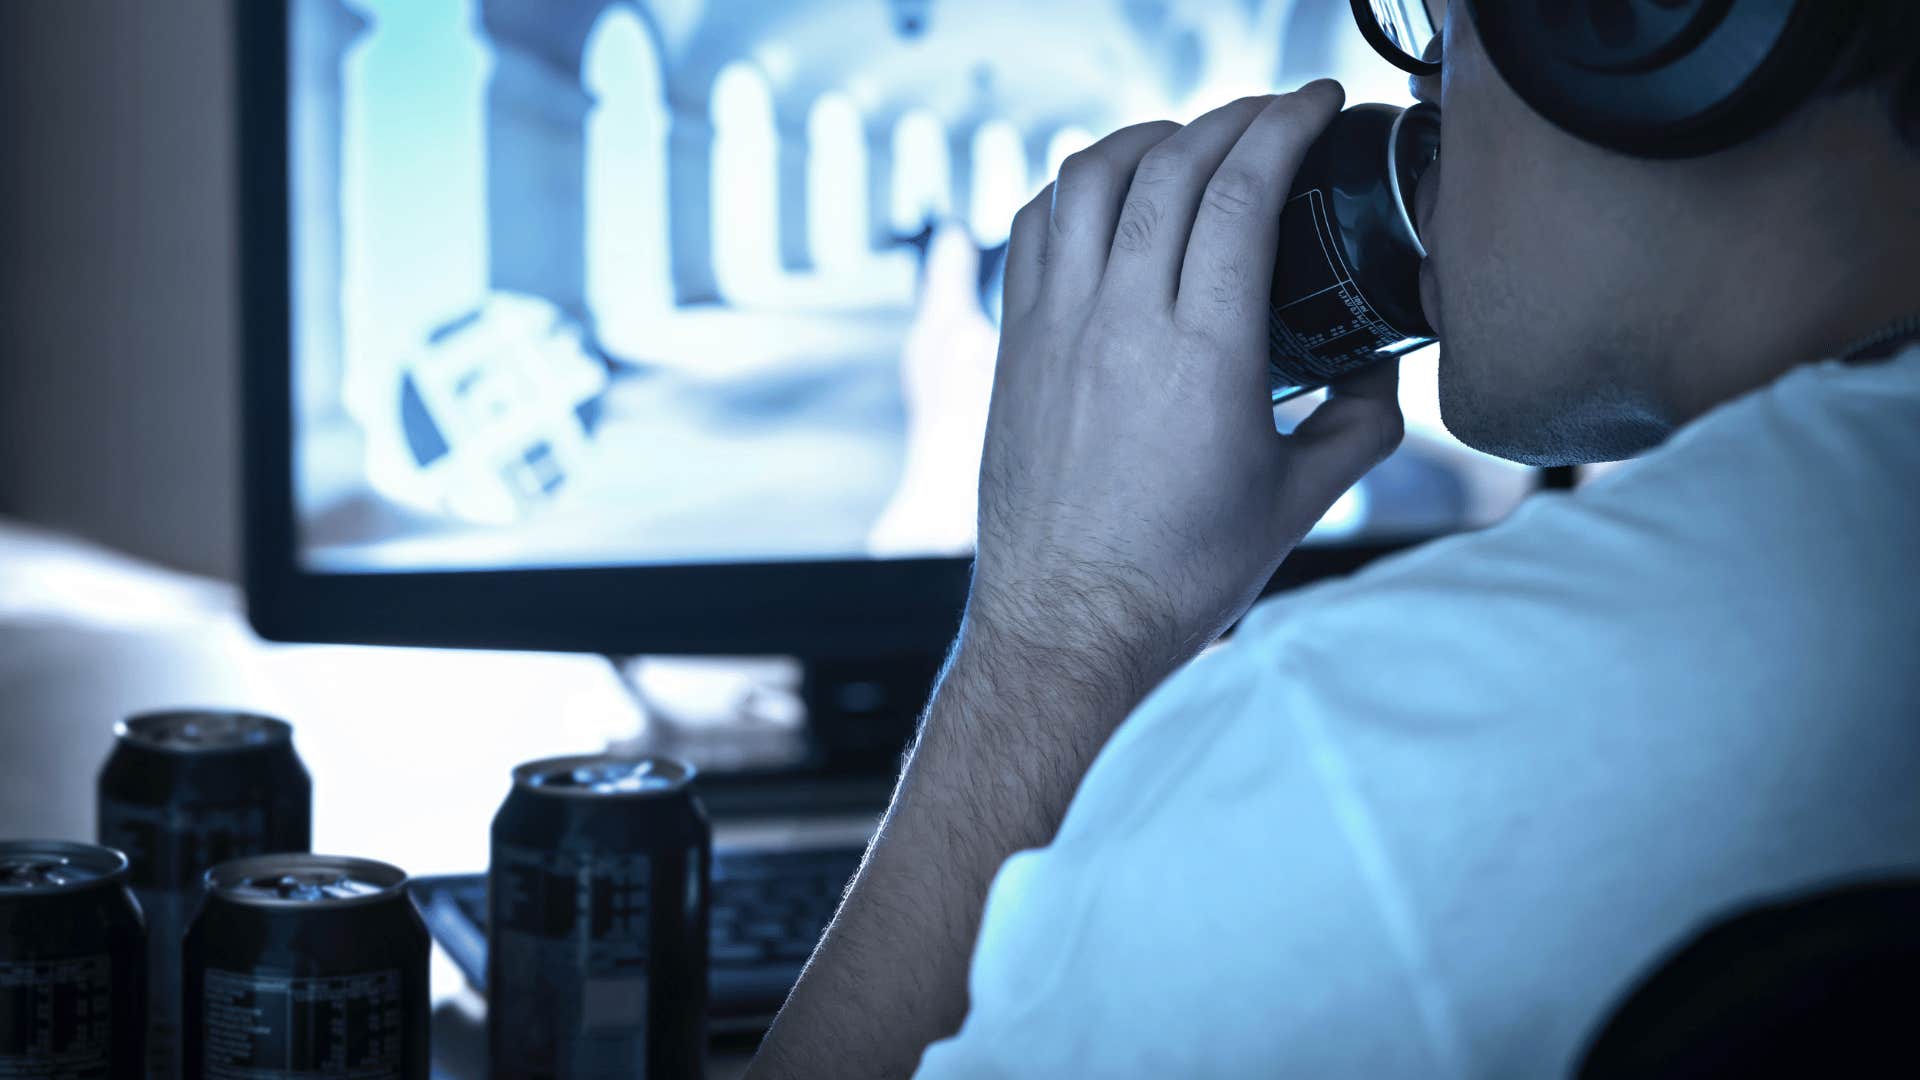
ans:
(1133, 498)
(1134, 494)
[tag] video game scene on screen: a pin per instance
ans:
(528, 336)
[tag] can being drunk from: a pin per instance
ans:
(306, 965)
(181, 792)
(73, 986)
(1346, 281)
(597, 921)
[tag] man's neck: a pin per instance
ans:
(1804, 291)
(1794, 248)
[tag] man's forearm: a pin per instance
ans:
(1011, 729)
(1134, 495)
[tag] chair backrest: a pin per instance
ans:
(1824, 983)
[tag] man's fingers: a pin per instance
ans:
(1352, 431)
(1227, 275)
(1151, 235)
(1026, 257)
(1377, 382)
(1086, 202)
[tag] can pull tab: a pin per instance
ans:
(311, 886)
(614, 776)
(303, 887)
(39, 872)
(620, 778)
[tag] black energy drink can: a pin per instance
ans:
(306, 965)
(181, 792)
(73, 979)
(597, 921)
(1346, 283)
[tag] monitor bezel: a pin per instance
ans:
(838, 608)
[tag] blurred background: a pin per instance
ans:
(761, 284)
(574, 283)
(118, 328)
(117, 397)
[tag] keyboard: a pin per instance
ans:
(769, 908)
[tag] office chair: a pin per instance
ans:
(1820, 984)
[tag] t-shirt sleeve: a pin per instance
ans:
(1202, 837)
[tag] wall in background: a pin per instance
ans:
(118, 335)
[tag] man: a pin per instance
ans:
(1433, 819)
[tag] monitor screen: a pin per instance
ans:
(597, 284)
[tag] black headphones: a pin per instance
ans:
(1664, 78)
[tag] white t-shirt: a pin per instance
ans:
(1432, 820)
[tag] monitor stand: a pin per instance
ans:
(780, 734)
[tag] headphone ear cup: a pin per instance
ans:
(1663, 78)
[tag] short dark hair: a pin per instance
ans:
(1884, 49)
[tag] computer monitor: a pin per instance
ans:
(667, 326)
